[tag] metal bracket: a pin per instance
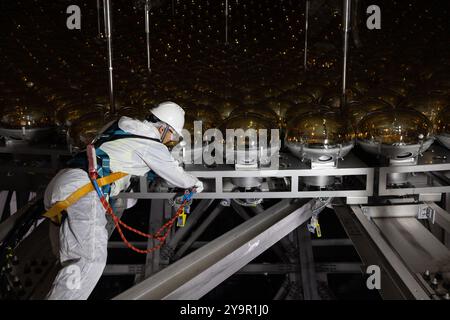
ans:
(426, 212)
(420, 211)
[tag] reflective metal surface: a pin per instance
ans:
(394, 127)
(321, 136)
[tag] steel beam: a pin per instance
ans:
(250, 269)
(308, 272)
(199, 272)
(277, 247)
(441, 217)
(396, 270)
(3, 202)
(199, 231)
(417, 247)
(199, 244)
(392, 286)
(168, 250)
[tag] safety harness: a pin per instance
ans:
(104, 177)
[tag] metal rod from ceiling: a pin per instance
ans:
(306, 34)
(147, 32)
(346, 29)
(99, 27)
(226, 21)
(108, 31)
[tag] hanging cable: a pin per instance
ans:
(147, 32)
(305, 59)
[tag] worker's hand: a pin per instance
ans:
(198, 186)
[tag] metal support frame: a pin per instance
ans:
(435, 161)
(396, 280)
(199, 244)
(251, 268)
(216, 179)
(199, 272)
(152, 259)
(447, 207)
(308, 273)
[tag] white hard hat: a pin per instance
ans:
(172, 114)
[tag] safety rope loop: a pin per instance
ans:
(157, 236)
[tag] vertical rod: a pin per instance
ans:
(104, 15)
(99, 28)
(226, 21)
(347, 7)
(306, 34)
(108, 28)
(147, 32)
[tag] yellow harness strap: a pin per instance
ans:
(55, 212)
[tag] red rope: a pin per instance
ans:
(161, 238)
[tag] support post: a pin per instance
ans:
(308, 271)
(155, 222)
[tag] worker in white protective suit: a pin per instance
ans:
(82, 235)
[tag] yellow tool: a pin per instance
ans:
(182, 219)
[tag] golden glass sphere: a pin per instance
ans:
(25, 113)
(319, 129)
(135, 112)
(430, 105)
(385, 95)
(443, 121)
(209, 117)
(226, 106)
(333, 99)
(361, 86)
(399, 126)
(297, 96)
(86, 128)
(315, 91)
(260, 110)
(358, 110)
(442, 127)
(67, 115)
(303, 108)
(280, 106)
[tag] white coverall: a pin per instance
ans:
(82, 236)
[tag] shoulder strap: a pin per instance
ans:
(115, 133)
